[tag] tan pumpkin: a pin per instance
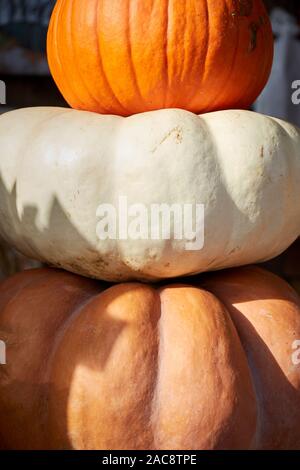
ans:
(129, 56)
(204, 365)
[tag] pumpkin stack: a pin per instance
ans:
(210, 362)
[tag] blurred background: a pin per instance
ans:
(24, 69)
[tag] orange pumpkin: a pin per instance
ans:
(130, 56)
(203, 365)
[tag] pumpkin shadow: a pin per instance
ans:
(61, 335)
(278, 400)
(20, 424)
(34, 415)
(52, 235)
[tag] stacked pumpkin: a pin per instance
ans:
(205, 363)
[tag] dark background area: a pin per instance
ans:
(293, 6)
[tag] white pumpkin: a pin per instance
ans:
(58, 165)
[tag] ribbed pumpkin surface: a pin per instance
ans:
(129, 56)
(203, 365)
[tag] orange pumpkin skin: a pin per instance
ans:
(204, 365)
(132, 56)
